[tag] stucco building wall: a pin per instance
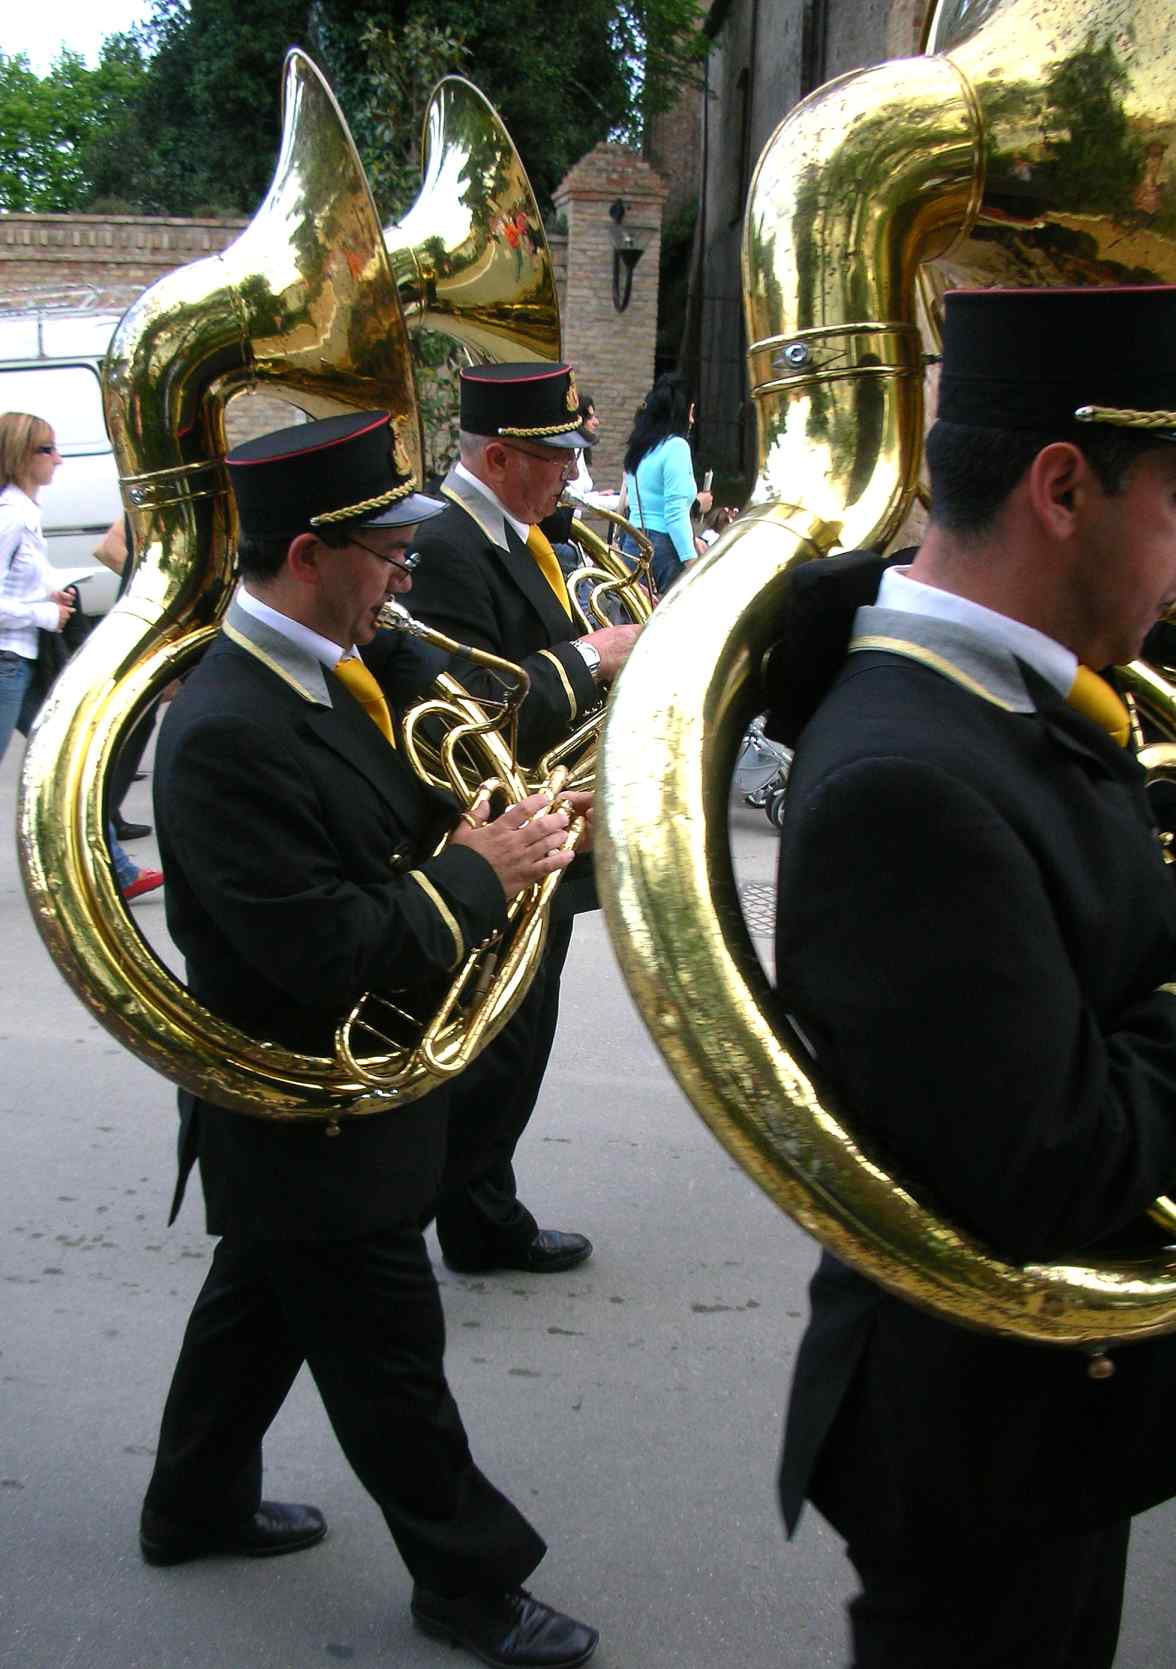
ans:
(766, 55)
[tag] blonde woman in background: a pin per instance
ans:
(29, 459)
(29, 600)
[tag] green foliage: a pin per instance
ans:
(183, 111)
(1093, 160)
(436, 363)
(400, 70)
(203, 131)
(46, 123)
(560, 84)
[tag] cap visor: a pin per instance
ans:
(415, 508)
(573, 438)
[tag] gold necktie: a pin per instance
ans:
(352, 673)
(1094, 698)
(539, 546)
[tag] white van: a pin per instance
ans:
(50, 365)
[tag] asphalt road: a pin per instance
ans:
(632, 1407)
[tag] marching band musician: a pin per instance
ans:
(975, 932)
(490, 578)
(297, 846)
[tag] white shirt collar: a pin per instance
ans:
(521, 528)
(1055, 663)
(21, 502)
(323, 650)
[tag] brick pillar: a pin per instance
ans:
(612, 352)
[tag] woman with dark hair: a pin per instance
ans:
(29, 600)
(659, 478)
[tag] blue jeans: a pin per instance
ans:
(16, 673)
(125, 868)
(666, 566)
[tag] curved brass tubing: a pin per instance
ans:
(303, 303)
(955, 166)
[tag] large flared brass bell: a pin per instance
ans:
(971, 163)
(470, 257)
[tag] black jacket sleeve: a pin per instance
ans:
(457, 591)
(297, 883)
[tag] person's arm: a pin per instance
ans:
(50, 612)
(451, 592)
(920, 946)
(251, 836)
(679, 492)
(111, 549)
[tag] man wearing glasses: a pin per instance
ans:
(490, 578)
(306, 864)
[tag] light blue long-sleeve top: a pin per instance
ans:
(664, 491)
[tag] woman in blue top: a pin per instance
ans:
(659, 478)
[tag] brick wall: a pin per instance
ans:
(102, 263)
(612, 352)
(99, 261)
(674, 150)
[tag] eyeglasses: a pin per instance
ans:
(551, 455)
(47, 450)
(407, 563)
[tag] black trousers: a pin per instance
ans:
(490, 1107)
(366, 1316)
(1029, 1604)
(945, 1594)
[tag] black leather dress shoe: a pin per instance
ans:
(276, 1527)
(511, 1630)
(130, 831)
(549, 1252)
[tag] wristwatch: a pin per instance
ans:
(590, 655)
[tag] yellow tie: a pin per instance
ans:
(1094, 698)
(548, 564)
(352, 673)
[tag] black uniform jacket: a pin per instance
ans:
(296, 848)
(973, 923)
(480, 585)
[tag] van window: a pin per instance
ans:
(67, 396)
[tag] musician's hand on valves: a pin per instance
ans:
(580, 805)
(613, 644)
(521, 846)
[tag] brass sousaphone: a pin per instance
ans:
(304, 304)
(964, 165)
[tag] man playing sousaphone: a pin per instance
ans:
(976, 933)
(298, 848)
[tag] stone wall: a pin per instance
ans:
(97, 261)
(102, 263)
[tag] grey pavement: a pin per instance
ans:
(631, 1407)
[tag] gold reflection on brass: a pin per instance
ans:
(1034, 145)
(470, 257)
(304, 305)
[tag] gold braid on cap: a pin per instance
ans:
(551, 429)
(1125, 418)
(350, 511)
